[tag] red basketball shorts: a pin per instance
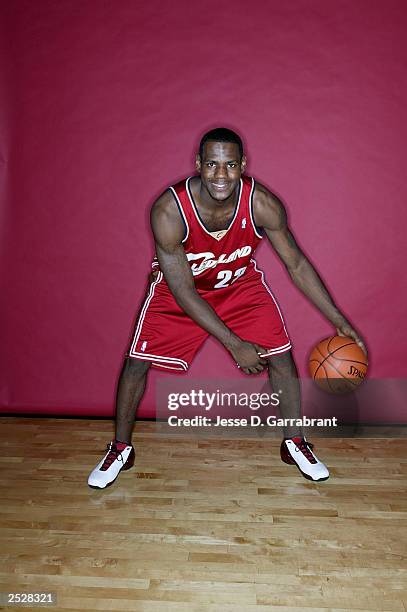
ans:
(169, 338)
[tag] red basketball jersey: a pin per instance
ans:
(216, 264)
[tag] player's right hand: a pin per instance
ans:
(247, 357)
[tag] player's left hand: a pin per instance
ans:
(346, 329)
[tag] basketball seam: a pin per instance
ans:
(328, 380)
(320, 363)
(317, 362)
(329, 354)
(347, 359)
(329, 342)
(341, 375)
(341, 347)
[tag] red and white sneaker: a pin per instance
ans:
(298, 451)
(115, 460)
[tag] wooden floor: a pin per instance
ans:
(199, 524)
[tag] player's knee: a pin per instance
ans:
(282, 363)
(135, 367)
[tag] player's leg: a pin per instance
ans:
(253, 314)
(284, 381)
(120, 452)
(294, 449)
(165, 338)
(130, 390)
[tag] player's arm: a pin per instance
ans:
(168, 230)
(270, 214)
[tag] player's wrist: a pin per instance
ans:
(339, 321)
(232, 341)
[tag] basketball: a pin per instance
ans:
(338, 365)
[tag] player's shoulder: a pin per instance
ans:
(165, 207)
(263, 196)
(163, 202)
(182, 184)
(172, 190)
(267, 206)
(166, 201)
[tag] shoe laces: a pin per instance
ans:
(113, 455)
(305, 448)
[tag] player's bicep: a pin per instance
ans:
(166, 223)
(168, 230)
(271, 216)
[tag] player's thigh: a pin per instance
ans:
(164, 335)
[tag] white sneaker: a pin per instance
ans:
(298, 451)
(106, 472)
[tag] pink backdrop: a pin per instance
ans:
(106, 102)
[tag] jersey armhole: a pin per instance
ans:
(257, 230)
(182, 214)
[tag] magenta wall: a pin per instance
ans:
(6, 121)
(109, 101)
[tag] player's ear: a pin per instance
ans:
(198, 162)
(243, 163)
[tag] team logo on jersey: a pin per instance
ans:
(208, 259)
(243, 223)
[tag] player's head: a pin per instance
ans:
(221, 135)
(220, 162)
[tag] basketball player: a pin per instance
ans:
(206, 229)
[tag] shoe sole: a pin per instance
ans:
(127, 466)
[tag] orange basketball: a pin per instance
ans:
(337, 364)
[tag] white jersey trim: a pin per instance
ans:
(251, 210)
(193, 206)
(172, 363)
(269, 290)
(278, 349)
(182, 213)
(158, 364)
(148, 356)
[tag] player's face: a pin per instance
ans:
(220, 168)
